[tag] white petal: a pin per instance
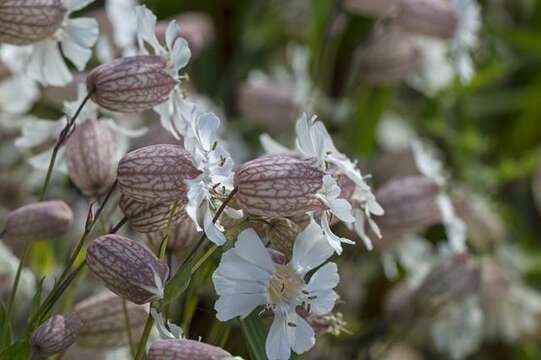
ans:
(74, 5)
(146, 29)
(46, 64)
(334, 240)
(130, 133)
(277, 345)
(228, 286)
(310, 249)
(231, 306)
(325, 278)
(18, 94)
(207, 125)
(301, 336)
(36, 132)
(77, 40)
(234, 267)
(213, 231)
(271, 146)
(41, 161)
(250, 248)
(171, 33)
(180, 54)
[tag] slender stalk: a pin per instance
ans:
(128, 327)
(204, 258)
(144, 338)
(17, 279)
(64, 134)
(163, 245)
(117, 227)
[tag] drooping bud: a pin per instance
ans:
(410, 205)
(389, 57)
(282, 234)
(90, 158)
(452, 278)
(104, 323)
(23, 22)
(39, 221)
(55, 335)
(151, 217)
(278, 186)
(379, 8)
(268, 102)
(435, 18)
(127, 267)
(184, 349)
(131, 84)
(181, 237)
(156, 173)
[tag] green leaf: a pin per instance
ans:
(36, 301)
(178, 283)
(19, 350)
(5, 330)
(255, 336)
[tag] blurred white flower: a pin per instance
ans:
(429, 166)
(247, 277)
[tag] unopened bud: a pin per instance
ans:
(131, 84)
(182, 236)
(184, 349)
(435, 18)
(268, 102)
(151, 217)
(379, 8)
(410, 205)
(128, 268)
(278, 186)
(24, 22)
(89, 154)
(39, 221)
(389, 57)
(282, 234)
(156, 173)
(55, 335)
(453, 278)
(104, 322)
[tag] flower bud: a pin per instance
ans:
(127, 267)
(184, 349)
(151, 217)
(378, 8)
(389, 57)
(23, 22)
(131, 84)
(104, 323)
(89, 154)
(156, 173)
(278, 186)
(268, 102)
(435, 18)
(55, 335)
(182, 236)
(410, 205)
(39, 221)
(452, 278)
(282, 234)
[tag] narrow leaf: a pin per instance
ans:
(255, 336)
(19, 350)
(5, 328)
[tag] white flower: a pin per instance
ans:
(429, 166)
(122, 16)
(247, 277)
(166, 329)
(44, 62)
(466, 37)
(177, 54)
(216, 166)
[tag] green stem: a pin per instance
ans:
(17, 279)
(163, 245)
(128, 327)
(144, 338)
(64, 134)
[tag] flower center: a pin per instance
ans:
(284, 285)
